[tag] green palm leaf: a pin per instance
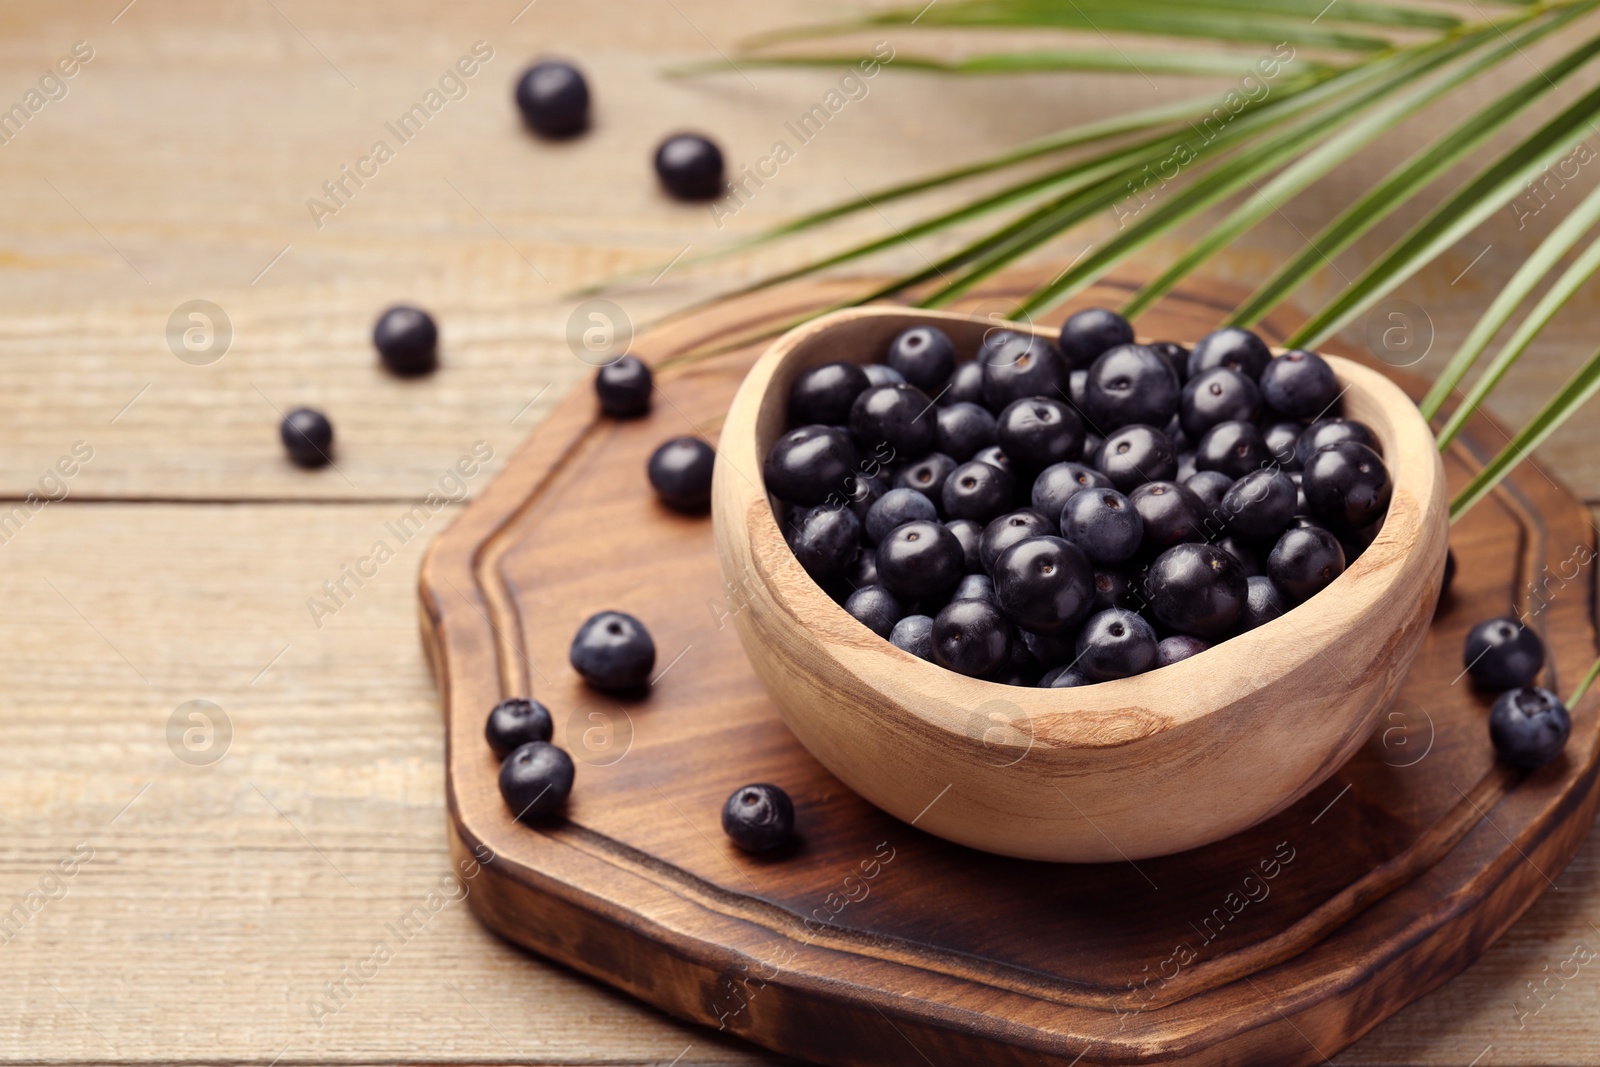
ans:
(1549, 253)
(1569, 398)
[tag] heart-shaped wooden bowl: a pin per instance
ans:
(1144, 766)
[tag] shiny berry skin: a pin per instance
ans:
(1116, 644)
(876, 608)
(900, 416)
(553, 98)
(927, 475)
(807, 465)
(896, 508)
(307, 436)
(514, 722)
(1198, 590)
(1019, 366)
(407, 340)
(1130, 385)
(1503, 654)
(1258, 507)
(914, 634)
(860, 492)
(623, 388)
(824, 394)
(1063, 678)
(680, 473)
(1332, 431)
(1177, 648)
(1007, 530)
(535, 781)
(1038, 431)
(970, 536)
(924, 356)
(1220, 394)
(1104, 524)
(1234, 448)
(963, 428)
(1044, 584)
(920, 560)
(979, 491)
(1176, 355)
(1230, 347)
(759, 817)
(974, 587)
(882, 374)
(613, 650)
(690, 167)
(1347, 485)
(965, 385)
(970, 637)
(1133, 455)
(1090, 332)
(1057, 484)
(1529, 726)
(1299, 385)
(1304, 561)
(1281, 438)
(1170, 514)
(1210, 487)
(1263, 603)
(825, 540)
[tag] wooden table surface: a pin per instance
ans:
(176, 907)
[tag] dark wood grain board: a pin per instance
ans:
(872, 943)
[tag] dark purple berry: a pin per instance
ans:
(1503, 654)
(613, 650)
(1116, 644)
(1170, 515)
(1038, 431)
(514, 722)
(535, 781)
(970, 536)
(966, 385)
(407, 340)
(553, 98)
(1210, 487)
(623, 387)
(1220, 394)
(876, 608)
(680, 473)
(825, 540)
(1259, 506)
(979, 491)
(924, 356)
(1529, 727)
(690, 167)
(1007, 530)
(1299, 385)
(1088, 333)
(914, 634)
(1019, 366)
(1263, 603)
(808, 465)
(1332, 431)
(1347, 485)
(1133, 455)
(1130, 385)
(759, 817)
(1198, 590)
(919, 560)
(1230, 347)
(1044, 584)
(1304, 561)
(896, 508)
(1104, 524)
(1177, 648)
(900, 416)
(1234, 448)
(824, 394)
(927, 476)
(307, 436)
(1056, 484)
(962, 429)
(970, 637)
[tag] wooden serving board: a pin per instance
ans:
(870, 942)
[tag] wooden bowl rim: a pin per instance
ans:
(1077, 717)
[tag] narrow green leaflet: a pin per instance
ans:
(1528, 276)
(1102, 59)
(1582, 269)
(1458, 216)
(1263, 156)
(1583, 686)
(1573, 395)
(1395, 190)
(1296, 178)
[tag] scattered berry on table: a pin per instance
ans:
(553, 98)
(613, 650)
(1503, 654)
(407, 340)
(535, 780)
(680, 473)
(758, 817)
(623, 387)
(307, 437)
(514, 722)
(690, 167)
(1529, 726)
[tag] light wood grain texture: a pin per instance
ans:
(1152, 765)
(189, 145)
(969, 957)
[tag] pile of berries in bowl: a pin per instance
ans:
(1084, 630)
(1064, 515)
